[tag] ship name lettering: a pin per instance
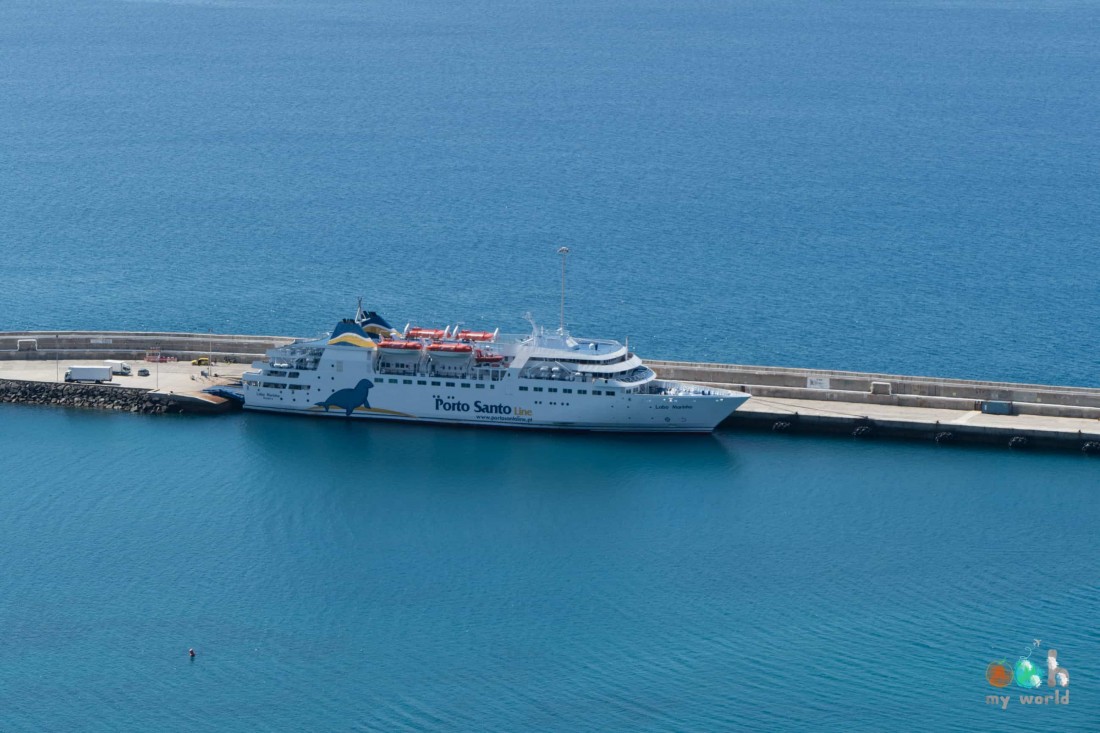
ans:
(497, 409)
(485, 408)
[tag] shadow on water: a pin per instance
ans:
(458, 455)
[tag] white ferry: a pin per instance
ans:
(367, 369)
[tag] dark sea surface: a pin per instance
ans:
(909, 187)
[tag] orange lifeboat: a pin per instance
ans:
(476, 335)
(450, 349)
(425, 333)
(488, 359)
(395, 346)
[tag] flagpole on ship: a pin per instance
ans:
(564, 251)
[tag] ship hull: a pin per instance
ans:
(565, 426)
(495, 407)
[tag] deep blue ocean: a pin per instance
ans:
(909, 187)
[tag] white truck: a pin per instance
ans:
(118, 367)
(94, 373)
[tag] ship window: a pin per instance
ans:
(480, 386)
(609, 394)
(465, 386)
(294, 374)
(406, 381)
(596, 392)
(538, 389)
(567, 391)
(276, 374)
(449, 384)
(435, 384)
(339, 366)
(421, 381)
(522, 389)
(272, 385)
(582, 391)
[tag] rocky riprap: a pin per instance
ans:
(88, 396)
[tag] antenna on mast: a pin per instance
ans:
(563, 251)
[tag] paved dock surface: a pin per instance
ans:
(168, 377)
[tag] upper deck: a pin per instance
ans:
(561, 346)
(538, 354)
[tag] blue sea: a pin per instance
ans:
(907, 187)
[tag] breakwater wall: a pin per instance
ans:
(134, 346)
(87, 396)
(889, 389)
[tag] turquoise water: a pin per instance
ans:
(896, 186)
(336, 576)
(888, 186)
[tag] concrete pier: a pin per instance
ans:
(869, 405)
(133, 345)
(784, 400)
